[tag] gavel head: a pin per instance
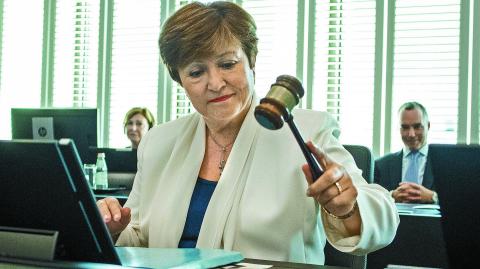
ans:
(277, 106)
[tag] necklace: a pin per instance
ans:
(223, 149)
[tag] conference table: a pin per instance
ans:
(18, 264)
(419, 240)
(121, 195)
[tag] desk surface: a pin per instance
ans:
(120, 195)
(291, 264)
(425, 210)
(81, 265)
(419, 241)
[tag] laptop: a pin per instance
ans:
(44, 189)
(456, 170)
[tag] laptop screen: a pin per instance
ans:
(456, 170)
(43, 187)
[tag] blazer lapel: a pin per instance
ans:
(230, 187)
(396, 169)
(173, 199)
(428, 180)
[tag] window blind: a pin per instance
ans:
(181, 105)
(135, 60)
(277, 47)
(76, 53)
(21, 62)
(426, 64)
(344, 66)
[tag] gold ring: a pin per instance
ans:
(339, 187)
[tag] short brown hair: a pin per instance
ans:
(139, 110)
(197, 30)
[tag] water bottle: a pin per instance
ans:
(101, 177)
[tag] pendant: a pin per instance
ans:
(222, 161)
(221, 166)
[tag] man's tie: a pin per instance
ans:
(411, 175)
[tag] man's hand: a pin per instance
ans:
(408, 192)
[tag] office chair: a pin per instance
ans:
(364, 159)
(333, 257)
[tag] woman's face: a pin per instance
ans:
(220, 87)
(137, 127)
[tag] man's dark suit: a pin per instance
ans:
(388, 171)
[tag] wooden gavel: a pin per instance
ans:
(276, 108)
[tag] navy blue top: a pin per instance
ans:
(196, 211)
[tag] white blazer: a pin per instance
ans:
(259, 206)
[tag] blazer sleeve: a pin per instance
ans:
(133, 236)
(377, 209)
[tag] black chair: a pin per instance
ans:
(364, 159)
(333, 257)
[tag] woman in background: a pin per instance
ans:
(217, 179)
(137, 122)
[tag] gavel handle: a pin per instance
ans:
(312, 162)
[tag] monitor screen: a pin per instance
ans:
(119, 160)
(44, 188)
(79, 124)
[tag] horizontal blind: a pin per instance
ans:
(76, 53)
(181, 105)
(344, 66)
(426, 64)
(277, 48)
(21, 65)
(327, 17)
(135, 60)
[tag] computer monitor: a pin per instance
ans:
(44, 188)
(122, 167)
(119, 160)
(79, 124)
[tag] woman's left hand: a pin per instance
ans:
(334, 189)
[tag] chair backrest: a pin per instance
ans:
(334, 257)
(364, 159)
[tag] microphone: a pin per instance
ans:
(276, 108)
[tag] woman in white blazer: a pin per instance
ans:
(217, 179)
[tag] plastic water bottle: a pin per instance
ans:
(101, 177)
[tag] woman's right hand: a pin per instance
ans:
(114, 215)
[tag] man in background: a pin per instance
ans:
(407, 174)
